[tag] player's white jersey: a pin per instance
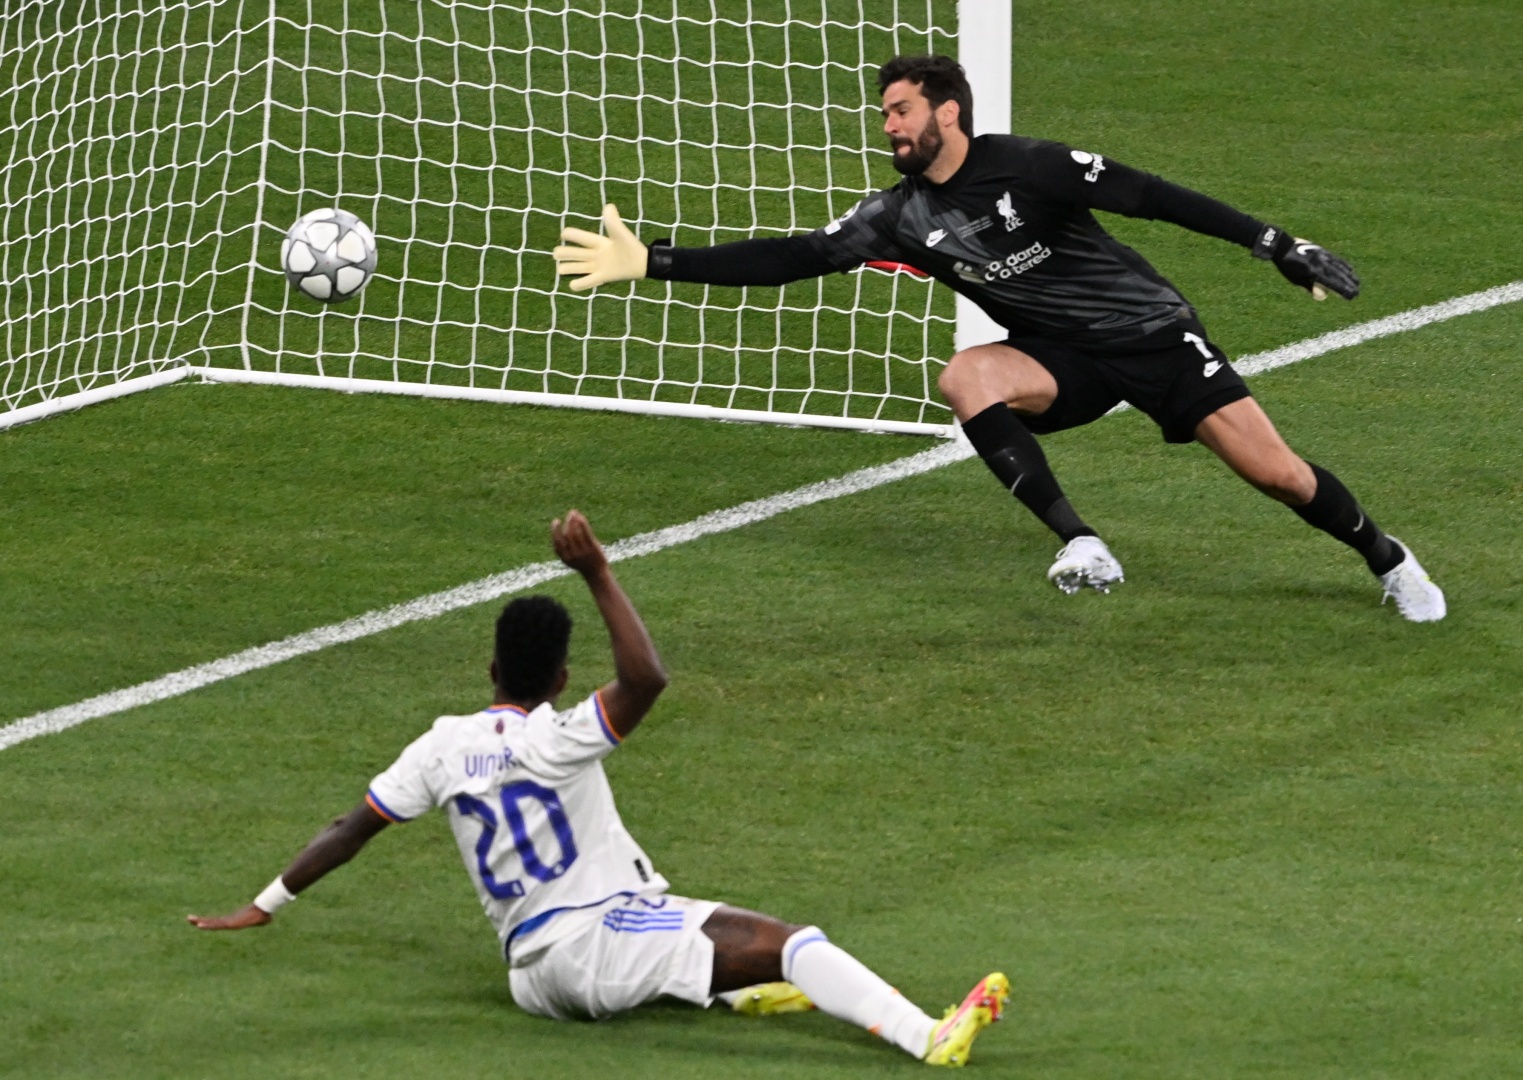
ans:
(530, 808)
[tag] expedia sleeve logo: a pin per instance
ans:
(1095, 162)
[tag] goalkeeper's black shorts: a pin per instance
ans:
(1173, 379)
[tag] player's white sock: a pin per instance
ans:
(844, 987)
(729, 997)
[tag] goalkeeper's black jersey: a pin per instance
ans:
(1012, 231)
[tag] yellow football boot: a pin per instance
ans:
(771, 999)
(952, 1039)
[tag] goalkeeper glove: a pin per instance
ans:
(1306, 264)
(618, 256)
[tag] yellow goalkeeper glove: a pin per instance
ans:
(618, 256)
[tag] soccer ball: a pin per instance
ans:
(329, 255)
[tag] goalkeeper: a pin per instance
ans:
(1006, 221)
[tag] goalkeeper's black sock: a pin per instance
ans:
(1334, 510)
(1012, 454)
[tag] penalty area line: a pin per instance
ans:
(720, 521)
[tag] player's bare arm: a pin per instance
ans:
(339, 841)
(639, 677)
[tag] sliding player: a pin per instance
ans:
(1006, 221)
(586, 923)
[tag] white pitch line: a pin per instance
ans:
(1399, 323)
(475, 592)
(526, 577)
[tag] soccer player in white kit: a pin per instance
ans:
(586, 923)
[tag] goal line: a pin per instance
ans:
(1253, 364)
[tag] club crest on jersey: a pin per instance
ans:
(1095, 162)
(935, 237)
(1006, 208)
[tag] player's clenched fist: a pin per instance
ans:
(618, 256)
(574, 542)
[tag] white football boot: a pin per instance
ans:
(1086, 561)
(1417, 598)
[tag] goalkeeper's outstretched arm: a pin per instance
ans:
(1304, 264)
(618, 255)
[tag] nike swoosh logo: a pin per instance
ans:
(1305, 249)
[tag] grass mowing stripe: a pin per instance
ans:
(469, 594)
(526, 577)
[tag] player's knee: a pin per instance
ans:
(946, 382)
(1290, 482)
(959, 372)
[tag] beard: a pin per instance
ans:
(923, 151)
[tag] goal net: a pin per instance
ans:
(129, 143)
(155, 152)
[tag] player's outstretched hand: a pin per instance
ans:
(618, 256)
(1307, 265)
(241, 919)
(576, 545)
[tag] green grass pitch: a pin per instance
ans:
(1234, 820)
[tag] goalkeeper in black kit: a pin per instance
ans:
(1007, 222)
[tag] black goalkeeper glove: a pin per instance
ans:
(1306, 264)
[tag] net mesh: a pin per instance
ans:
(156, 152)
(129, 135)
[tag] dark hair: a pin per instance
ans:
(940, 78)
(533, 633)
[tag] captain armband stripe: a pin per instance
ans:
(381, 808)
(608, 731)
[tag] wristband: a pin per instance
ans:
(1272, 242)
(274, 897)
(659, 262)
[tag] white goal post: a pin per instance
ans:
(156, 150)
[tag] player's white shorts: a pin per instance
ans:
(622, 957)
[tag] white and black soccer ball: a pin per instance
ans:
(328, 255)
